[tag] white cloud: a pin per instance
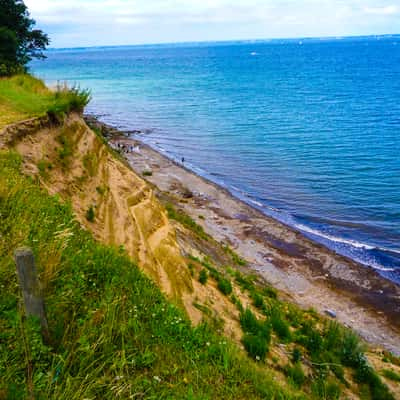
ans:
(146, 21)
(388, 10)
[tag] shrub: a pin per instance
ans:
(225, 286)
(392, 375)
(90, 215)
(390, 357)
(249, 322)
(147, 173)
(235, 257)
(258, 301)
(365, 374)
(186, 221)
(203, 277)
(350, 349)
(296, 355)
(65, 151)
(310, 338)
(68, 100)
(256, 346)
(251, 325)
(245, 282)
(296, 374)
(280, 325)
(237, 303)
(270, 292)
(327, 390)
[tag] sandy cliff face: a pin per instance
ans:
(72, 161)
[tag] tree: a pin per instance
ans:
(19, 41)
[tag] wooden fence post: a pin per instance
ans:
(30, 287)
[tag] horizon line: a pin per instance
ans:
(333, 37)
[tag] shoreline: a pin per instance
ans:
(309, 273)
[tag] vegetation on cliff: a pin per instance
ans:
(113, 334)
(23, 96)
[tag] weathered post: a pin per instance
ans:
(30, 287)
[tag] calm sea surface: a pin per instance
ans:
(307, 131)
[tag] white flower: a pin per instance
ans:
(157, 378)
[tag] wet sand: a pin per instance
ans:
(308, 273)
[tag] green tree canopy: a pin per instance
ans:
(19, 41)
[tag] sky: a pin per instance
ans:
(77, 23)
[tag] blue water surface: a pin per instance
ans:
(307, 131)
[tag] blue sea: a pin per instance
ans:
(308, 131)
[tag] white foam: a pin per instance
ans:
(336, 239)
(257, 203)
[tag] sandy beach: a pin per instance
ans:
(307, 273)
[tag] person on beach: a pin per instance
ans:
(183, 160)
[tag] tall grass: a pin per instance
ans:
(24, 96)
(113, 334)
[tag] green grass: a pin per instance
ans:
(113, 334)
(296, 374)
(224, 286)
(203, 276)
(186, 221)
(392, 375)
(23, 96)
(235, 257)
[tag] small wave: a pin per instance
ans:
(257, 203)
(384, 269)
(353, 243)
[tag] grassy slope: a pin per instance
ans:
(113, 334)
(24, 96)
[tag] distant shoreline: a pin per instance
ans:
(233, 41)
(311, 274)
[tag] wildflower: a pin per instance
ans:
(208, 343)
(157, 378)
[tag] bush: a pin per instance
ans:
(256, 346)
(90, 215)
(225, 286)
(296, 355)
(365, 374)
(68, 100)
(258, 301)
(310, 338)
(249, 322)
(147, 173)
(280, 326)
(245, 282)
(295, 374)
(203, 277)
(392, 375)
(327, 390)
(251, 325)
(270, 292)
(186, 221)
